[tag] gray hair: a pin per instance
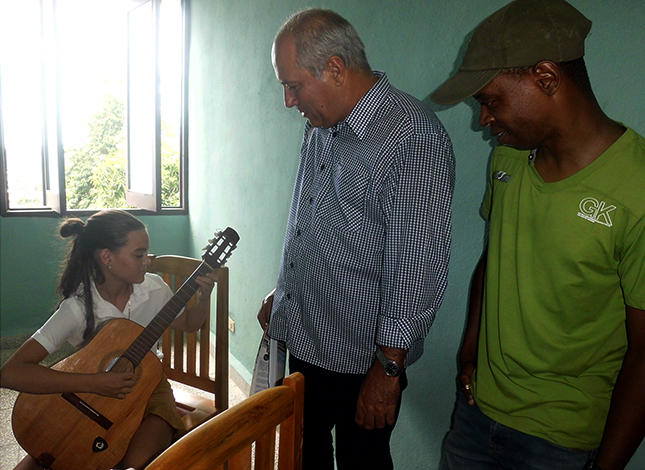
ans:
(320, 34)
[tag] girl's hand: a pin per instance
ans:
(112, 384)
(206, 284)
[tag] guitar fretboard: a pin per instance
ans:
(149, 336)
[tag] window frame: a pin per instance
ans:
(55, 203)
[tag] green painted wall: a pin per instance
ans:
(245, 146)
(31, 253)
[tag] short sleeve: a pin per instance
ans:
(67, 324)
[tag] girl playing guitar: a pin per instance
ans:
(105, 278)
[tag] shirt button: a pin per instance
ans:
(322, 167)
(334, 134)
(288, 296)
(311, 200)
(291, 265)
(298, 232)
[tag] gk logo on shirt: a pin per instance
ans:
(595, 211)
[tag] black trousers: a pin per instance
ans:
(330, 402)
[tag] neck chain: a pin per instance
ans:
(129, 306)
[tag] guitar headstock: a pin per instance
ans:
(220, 247)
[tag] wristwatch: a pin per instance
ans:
(390, 367)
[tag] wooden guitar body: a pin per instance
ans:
(84, 431)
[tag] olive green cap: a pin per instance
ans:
(521, 34)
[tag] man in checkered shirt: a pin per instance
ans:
(366, 252)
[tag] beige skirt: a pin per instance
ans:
(162, 403)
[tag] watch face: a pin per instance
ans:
(391, 369)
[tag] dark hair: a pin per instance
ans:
(106, 229)
(320, 34)
(517, 71)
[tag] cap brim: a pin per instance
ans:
(463, 85)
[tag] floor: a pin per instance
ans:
(11, 452)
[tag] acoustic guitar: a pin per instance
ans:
(85, 431)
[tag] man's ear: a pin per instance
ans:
(548, 77)
(337, 69)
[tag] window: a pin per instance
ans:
(92, 106)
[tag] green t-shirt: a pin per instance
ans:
(563, 260)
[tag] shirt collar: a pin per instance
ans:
(361, 116)
(139, 294)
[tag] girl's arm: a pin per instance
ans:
(22, 372)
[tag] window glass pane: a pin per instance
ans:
(22, 112)
(93, 78)
(51, 128)
(141, 119)
(171, 71)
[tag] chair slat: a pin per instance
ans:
(187, 356)
(265, 451)
(178, 349)
(242, 460)
(166, 343)
(221, 337)
(204, 352)
(191, 353)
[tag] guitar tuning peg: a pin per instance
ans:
(218, 233)
(211, 240)
(206, 248)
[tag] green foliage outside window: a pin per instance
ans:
(95, 172)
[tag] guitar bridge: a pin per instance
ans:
(87, 410)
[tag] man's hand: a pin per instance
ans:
(264, 315)
(625, 427)
(465, 377)
(378, 398)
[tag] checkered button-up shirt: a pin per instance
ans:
(367, 246)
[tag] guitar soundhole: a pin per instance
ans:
(114, 362)
(120, 364)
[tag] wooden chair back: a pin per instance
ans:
(229, 436)
(187, 356)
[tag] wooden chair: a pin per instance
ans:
(229, 436)
(187, 356)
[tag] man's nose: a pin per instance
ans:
(289, 98)
(485, 117)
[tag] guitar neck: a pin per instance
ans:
(151, 334)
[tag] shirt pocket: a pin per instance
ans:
(344, 205)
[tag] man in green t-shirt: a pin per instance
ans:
(553, 358)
